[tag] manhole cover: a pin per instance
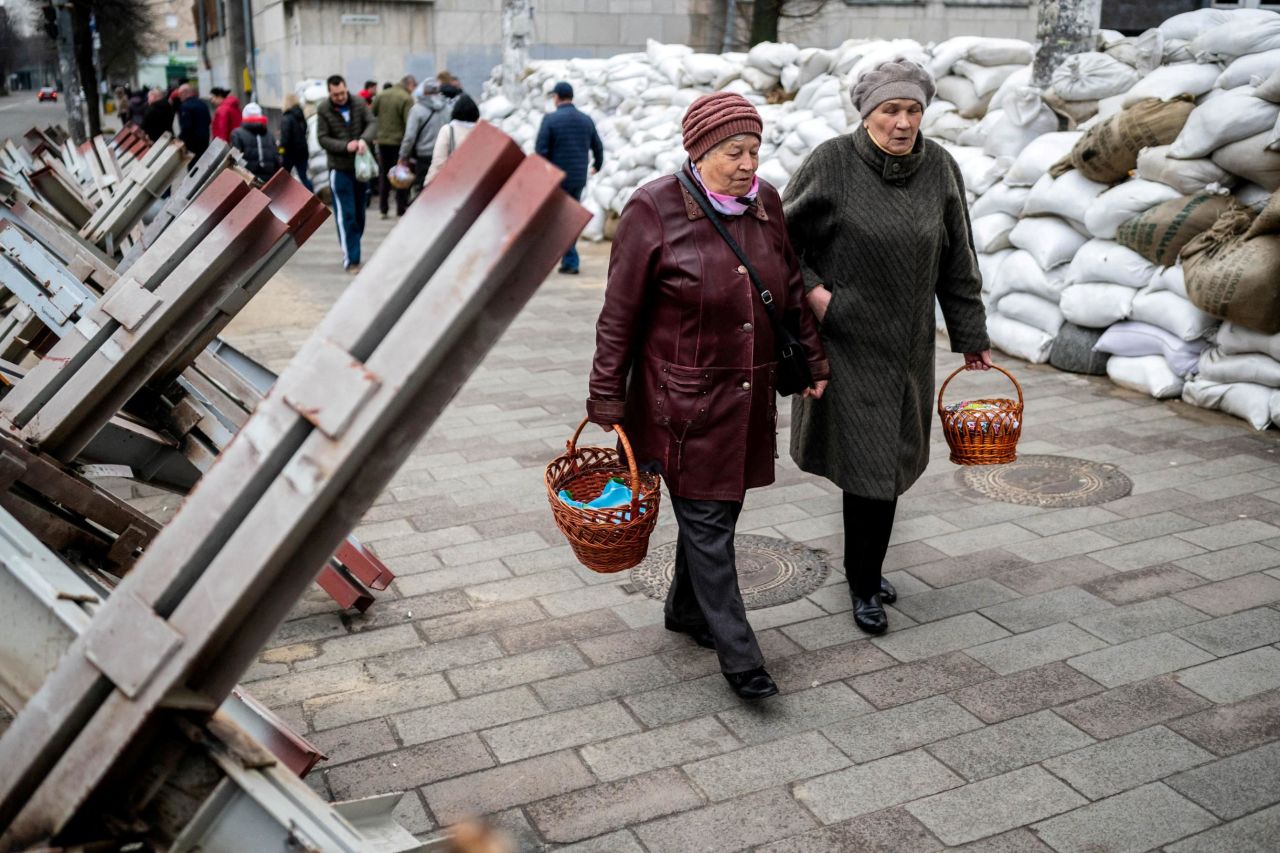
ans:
(1053, 481)
(770, 571)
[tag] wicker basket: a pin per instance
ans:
(983, 437)
(604, 540)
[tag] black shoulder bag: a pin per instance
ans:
(793, 361)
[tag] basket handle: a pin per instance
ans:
(956, 373)
(572, 445)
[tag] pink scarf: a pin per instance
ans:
(729, 205)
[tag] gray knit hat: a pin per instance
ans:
(897, 78)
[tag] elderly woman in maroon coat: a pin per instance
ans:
(685, 359)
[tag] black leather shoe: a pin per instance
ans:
(868, 614)
(568, 270)
(752, 684)
(888, 595)
(701, 635)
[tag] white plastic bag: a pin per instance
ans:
(1173, 313)
(1147, 374)
(1096, 306)
(1051, 241)
(1108, 261)
(366, 168)
(1118, 205)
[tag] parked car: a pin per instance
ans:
(47, 93)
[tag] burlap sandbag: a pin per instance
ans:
(1160, 233)
(1233, 269)
(1109, 150)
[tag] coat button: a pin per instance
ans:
(746, 327)
(741, 269)
(746, 386)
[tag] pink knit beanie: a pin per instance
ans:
(714, 118)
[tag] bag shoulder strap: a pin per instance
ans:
(765, 296)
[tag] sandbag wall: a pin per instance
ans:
(1078, 230)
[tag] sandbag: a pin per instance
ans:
(1068, 196)
(1245, 400)
(981, 173)
(1118, 205)
(1170, 279)
(1144, 53)
(991, 233)
(1236, 38)
(1018, 339)
(1000, 51)
(1269, 89)
(1039, 156)
(1075, 112)
(1148, 374)
(1159, 233)
(1185, 176)
(1033, 310)
(1139, 339)
(1016, 81)
(1021, 273)
(1250, 159)
(985, 78)
(1073, 351)
(1008, 137)
(1096, 306)
(1233, 269)
(1228, 118)
(960, 91)
(1109, 150)
(772, 57)
(1242, 71)
(989, 267)
(1217, 366)
(1174, 314)
(1235, 340)
(1170, 81)
(1188, 25)
(1001, 198)
(1050, 241)
(1107, 261)
(1090, 76)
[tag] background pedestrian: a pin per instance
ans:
(568, 138)
(345, 128)
(391, 108)
(295, 153)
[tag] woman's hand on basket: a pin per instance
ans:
(977, 360)
(814, 391)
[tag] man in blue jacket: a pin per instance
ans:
(566, 138)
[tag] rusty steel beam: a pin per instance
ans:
(221, 577)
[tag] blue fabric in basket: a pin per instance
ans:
(616, 494)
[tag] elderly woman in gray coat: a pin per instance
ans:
(879, 220)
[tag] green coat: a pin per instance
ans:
(391, 109)
(886, 235)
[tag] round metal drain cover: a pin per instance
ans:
(1052, 481)
(770, 571)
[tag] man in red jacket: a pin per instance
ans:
(226, 113)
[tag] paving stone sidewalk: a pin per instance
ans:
(1103, 678)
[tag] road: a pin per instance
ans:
(21, 111)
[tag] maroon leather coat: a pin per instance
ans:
(684, 349)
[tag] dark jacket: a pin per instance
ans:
(255, 141)
(566, 138)
(334, 132)
(194, 121)
(293, 136)
(426, 118)
(157, 119)
(684, 350)
(226, 118)
(885, 235)
(391, 108)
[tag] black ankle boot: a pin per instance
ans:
(888, 595)
(701, 635)
(752, 684)
(868, 614)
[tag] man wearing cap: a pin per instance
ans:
(567, 138)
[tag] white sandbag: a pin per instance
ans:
(814, 132)
(1252, 196)
(1186, 176)
(772, 57)
(703, 69)
(1032, 310)
(1173, 313)
(1143, 53)
(1051, 241)
(1254, 367)
(1096, 306)
(1021, 274)
(991, 233)
(1092, 76)
(976, 136)
(949, 126)
(1008, 137)
(1038, 156)
(1230, 117)
(1170, 279)
(959, 91)
(1269, 88)
(1020, 79)
(985, 79)
(1250, 159)
(1138, 339)
(1000, 51)
(774, 173)
(496, 108)
(1018, 339)
(1148, 374)
(1188, 25)
(1068, 196)
(1235, 340)
(982, 172)
(814, 62)
(1242, 71)
(989, 267)
(1001, 198)
(758, 80)
(790, 79)
(1108, 261)
(1121, 203)
(594, 231)
(1245, 400)
(1236, 38)
(1169, 81)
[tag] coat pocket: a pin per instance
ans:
(682, 398)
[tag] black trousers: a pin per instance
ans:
(705, 590)
(388, 156)
(867, 525)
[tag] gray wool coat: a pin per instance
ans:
(885, 235)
